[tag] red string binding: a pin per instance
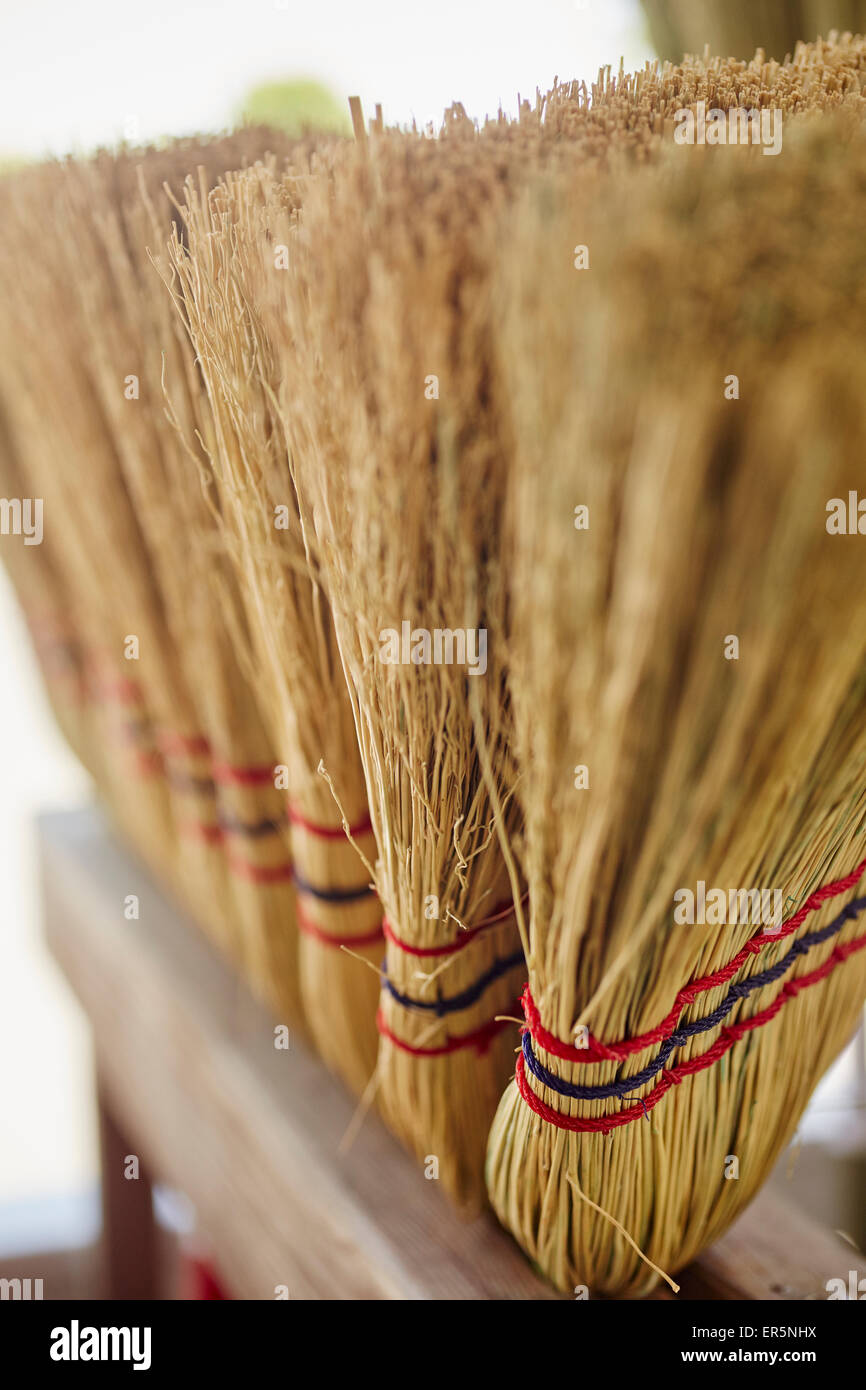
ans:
(329, 832)
(174, 745)
(122, 691)
(241, 868)
(617, 1052)
(262, 874)
(242, 776)
(480, 1039)
(148, 764)
(728, 1036)
(183, 745)
(208, 834)
(311, 928)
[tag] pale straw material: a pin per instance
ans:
(706, 520)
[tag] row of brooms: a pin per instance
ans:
(556, 380)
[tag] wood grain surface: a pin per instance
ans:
(253, 1135)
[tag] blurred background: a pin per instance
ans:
(99, 73)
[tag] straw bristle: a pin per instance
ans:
(389, 289)
(371, 388)
(225, 270)
(51, 406)
(157, 574)
(404, 493)
(706, 520)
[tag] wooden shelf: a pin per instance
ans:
(192, 1082)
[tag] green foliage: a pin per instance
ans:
(10, 162)
(295, 106)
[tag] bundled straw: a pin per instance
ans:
(366, 402)
(36, 577)
(66, 456)
(405, 492)
(705, 527)
(231, 262)
(173, 589)
(231, 816)
(635, 112)
(391, 290)
(401, 443)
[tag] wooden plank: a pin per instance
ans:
(129, 1234)
(251, 1134)
(772, 1252)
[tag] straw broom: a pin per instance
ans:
(241, 836)
(95, 713)
(223, 276)
(636, 98)
(336, 416)
(55, 406)
(113, 183)
(706, 520)
(55, 426)
(229, 277)
(402, 494)
(225, 266)
(36, 580)
(634, 112)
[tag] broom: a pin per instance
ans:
(420, 299)
(35, 577)
(225, 266)
(688, 681)
(402, 493)
(121, 305)
(51, 416)
(230, 762)
(227, 280)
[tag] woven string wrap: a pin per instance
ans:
(480, 1039)
(169, 749)
(444, 1005)
(308, 927)
(210, 781)
(686, 1031)
(330, 832)
(456, 1003)
(450, 948)
(313, 897)
(669, 1035)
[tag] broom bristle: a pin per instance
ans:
(225, 270)
(219, 827)
(706, 523)
(366, 316)
(403, 493)
(368, 385)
